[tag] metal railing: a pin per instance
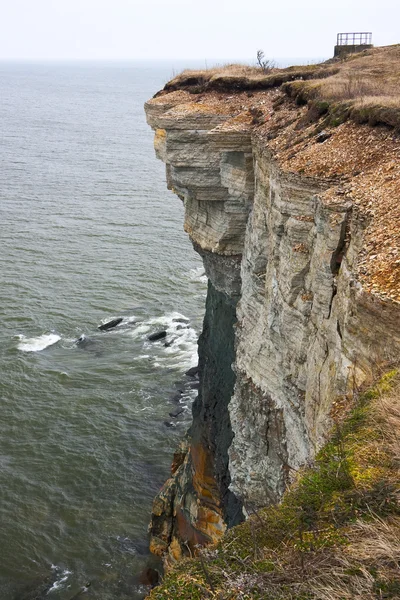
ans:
(359, 38)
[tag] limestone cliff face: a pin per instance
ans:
(289, 330)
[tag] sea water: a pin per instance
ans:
(88, 233)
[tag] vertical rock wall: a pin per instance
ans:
(288, 329)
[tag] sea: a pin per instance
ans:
(88, 233)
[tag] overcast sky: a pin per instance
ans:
(182, 29)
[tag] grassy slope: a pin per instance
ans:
(364, 87)
(336, 534)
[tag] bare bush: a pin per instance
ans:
(265, 64)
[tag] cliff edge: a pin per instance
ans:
(291, 184)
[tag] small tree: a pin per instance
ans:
(265, 64)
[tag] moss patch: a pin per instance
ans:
(334, 533)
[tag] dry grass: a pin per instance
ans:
(367, 568)
(366, 84)
(375, 72)
(233, 69)
(386, 414)
(237, 77)
(334, 537)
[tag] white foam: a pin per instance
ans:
(39, 343)
(140, 330)
(59, 583)
(181, 338)
(141, 357)
(182, 353)
(130, 319)
(198, 275)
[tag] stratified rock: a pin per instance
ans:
(288, 326)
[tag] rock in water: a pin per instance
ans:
(158, 335)
(171, 341)
(110, 324)
(82, 340)
(176, 397)
(175, 413)
(149, 577)
(193, 372)
(85, 342)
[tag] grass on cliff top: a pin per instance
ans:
(236, 77)
(364, 86)
(336, 534)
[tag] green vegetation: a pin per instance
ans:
(336, 534)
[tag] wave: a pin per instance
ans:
(36, 344)
(178, 349)
(61, 578)
(198, 275)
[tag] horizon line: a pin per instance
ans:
(153, 60)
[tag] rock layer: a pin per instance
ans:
(288, 329)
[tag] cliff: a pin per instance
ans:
(291, 199)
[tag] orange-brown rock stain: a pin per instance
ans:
(185, 519)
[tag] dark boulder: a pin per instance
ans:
(193, 372)
(158, 335)
(149, 577)
(84, 342)
(175, 413)
(176, 397)
(110, 324)
(170, 342)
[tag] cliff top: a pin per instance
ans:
(338, 121)
(368, 83)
